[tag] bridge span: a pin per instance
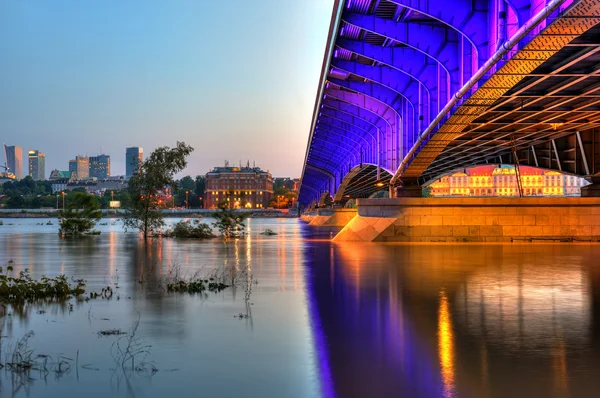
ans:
(412, 89)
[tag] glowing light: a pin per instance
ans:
(446, 345)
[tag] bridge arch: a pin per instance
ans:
(362, 182)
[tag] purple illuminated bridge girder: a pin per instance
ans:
(341, 128)
(439, 43)
(345, 109)
(467, 17)
(384, 112)
(368, 138)
(394, 101)
(349, 121)
(402, 88)
(345, 141)
(356, 111)
(408, 61)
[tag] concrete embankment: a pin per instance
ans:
(474, 220)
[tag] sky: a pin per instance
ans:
(235, 79)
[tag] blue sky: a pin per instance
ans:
(235, 79)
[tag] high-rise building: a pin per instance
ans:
(238, 187)
(14, 160)
(80, 166)
(37, 165)
(133, 159)
(100, 166)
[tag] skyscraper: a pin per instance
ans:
(14, 160)
(37, 165)
(133, 159)
(100, 166)
(80, 166)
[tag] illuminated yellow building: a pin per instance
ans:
(494, 180)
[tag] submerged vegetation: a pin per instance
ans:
(80, 216)
(23, 287)
(229, 223)
(145, 187)
(190, 230)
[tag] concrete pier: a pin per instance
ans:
(474, 220)
(329, 217)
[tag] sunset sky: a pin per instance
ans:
(235, 79)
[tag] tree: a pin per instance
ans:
(80, 216)
(200, 188)
(152, 177)
(229, 223)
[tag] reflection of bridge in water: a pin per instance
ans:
(410, 90)
(409, 321)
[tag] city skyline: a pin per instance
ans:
(103, 76)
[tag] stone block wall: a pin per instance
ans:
(474, 220)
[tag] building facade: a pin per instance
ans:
(60, 175)
(501, 181)
(238, 187)
(80, 167)
(133, 159)
(99, 166)
(14, 160)
(37, 165)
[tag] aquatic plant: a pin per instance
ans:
(188, 230)
(23, 287)
(229, 223)
(80, 216)
(130, 352)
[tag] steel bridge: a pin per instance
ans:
(413, 89)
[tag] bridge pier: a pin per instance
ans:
(474, 220)
(331, 217)
(592, 190)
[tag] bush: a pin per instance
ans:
(195, 230)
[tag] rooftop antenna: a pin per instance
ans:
(248, 164)
(227, 163)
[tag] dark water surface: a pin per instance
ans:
(326, 319)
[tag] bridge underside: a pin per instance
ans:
(549, 119)
(421, 88)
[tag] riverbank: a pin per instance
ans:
(188, 213)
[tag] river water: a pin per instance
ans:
(323, 319)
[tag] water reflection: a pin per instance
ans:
(446, 345)
(446, 321)
(328, 320)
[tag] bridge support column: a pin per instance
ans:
(592, 190)
(407, 189)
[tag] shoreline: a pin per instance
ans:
(111, 214)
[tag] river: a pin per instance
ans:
(323, 319)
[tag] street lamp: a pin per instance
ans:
(187, 204)
(63, 195)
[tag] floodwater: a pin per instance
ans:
(323, 319)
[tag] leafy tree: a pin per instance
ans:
(153, 176)
(200, 187)
(229, 223)
(80, 216)
(15, 201)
